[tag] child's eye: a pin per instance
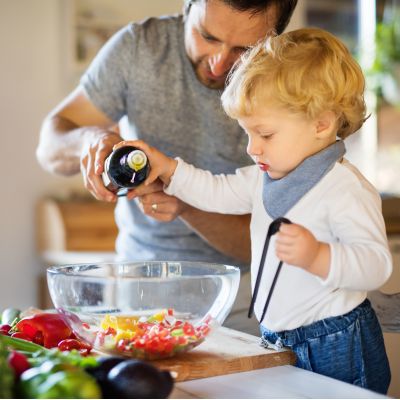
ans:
(267, 135)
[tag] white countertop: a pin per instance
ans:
(277, 382)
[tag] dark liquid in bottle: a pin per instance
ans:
(126, 167)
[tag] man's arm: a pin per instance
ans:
(75, 137)
(229, 234)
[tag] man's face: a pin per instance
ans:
(216, 35)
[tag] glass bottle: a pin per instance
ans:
(125, 168)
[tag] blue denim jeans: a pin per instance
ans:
(349, 348)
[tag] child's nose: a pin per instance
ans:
(253, 147)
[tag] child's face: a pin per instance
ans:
(279, 140)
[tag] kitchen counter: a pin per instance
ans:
(276, 382)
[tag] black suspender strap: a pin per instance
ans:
(273, 228)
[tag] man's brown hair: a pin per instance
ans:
(284, 9)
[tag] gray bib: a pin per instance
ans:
(280, 195)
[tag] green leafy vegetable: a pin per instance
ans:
(55, 374)
(6, 373)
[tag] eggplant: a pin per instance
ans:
(100, 373)
(105, 364)
(135, 379)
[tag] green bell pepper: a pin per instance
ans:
(57, 380)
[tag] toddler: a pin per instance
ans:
(297, 96)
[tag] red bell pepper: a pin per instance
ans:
(46, 329)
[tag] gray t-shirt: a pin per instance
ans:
(143, 73)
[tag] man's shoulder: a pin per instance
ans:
(155, 31)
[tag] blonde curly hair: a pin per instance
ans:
(307, 71)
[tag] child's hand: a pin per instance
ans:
(296, 245)
(161, 166)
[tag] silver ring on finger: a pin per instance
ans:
(154, 207)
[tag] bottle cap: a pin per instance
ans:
(137, 160)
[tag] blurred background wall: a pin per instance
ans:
(35, 74)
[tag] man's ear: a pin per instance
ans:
(326, 125)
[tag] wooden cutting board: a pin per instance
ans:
(225, 351)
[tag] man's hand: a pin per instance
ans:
(155, 203)
(297, 246)
(77, 137)
(98, 144)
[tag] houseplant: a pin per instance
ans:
(384, 75)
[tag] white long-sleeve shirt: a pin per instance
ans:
(343, 209)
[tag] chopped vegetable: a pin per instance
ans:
(160, 335)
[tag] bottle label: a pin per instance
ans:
(108, 183)
(137, 160)
(106, 179)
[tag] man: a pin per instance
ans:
(165, 75)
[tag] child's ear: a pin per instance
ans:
(326, 125)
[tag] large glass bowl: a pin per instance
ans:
(148, 310)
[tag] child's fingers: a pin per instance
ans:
(282, 240)
(285, 247)
(140, 144)
(284, 256)
(153, 175)
(290, 229)
(286, 252)
(131, 194)
(124, 143)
